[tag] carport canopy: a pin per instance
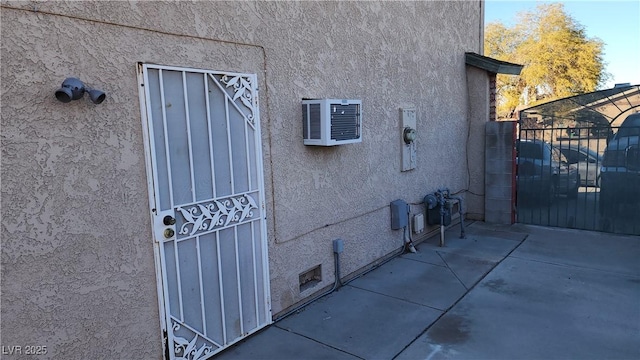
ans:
(600, 109)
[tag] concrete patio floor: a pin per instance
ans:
(504, 292)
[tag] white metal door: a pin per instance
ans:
(207, 205)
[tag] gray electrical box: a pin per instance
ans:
(399, 214)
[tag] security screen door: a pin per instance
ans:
(207, 200)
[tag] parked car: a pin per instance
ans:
(543, 172)
(620, 172)
(586, 160)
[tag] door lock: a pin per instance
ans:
(169, 220)
(168, 233)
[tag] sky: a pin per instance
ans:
(615, 22)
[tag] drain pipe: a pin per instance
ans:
(338, 248)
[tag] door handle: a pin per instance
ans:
(169, 220)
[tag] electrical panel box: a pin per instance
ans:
(329, 122)
(399, 214)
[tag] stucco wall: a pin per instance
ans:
(78, 270)
(479, 94)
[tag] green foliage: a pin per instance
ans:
(559, 60)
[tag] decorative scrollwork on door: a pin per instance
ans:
(242, 88)
(185, 349)
(209, 216)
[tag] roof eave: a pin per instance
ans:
(492, 65)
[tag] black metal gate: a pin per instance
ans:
(578, 162)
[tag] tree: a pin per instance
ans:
(559, 60)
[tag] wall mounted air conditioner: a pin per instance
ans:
(329, 122)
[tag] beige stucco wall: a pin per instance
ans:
(479, 97)
(78, 271)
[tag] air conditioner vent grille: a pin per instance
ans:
(314, 111)
(305, 121)
(345, 124)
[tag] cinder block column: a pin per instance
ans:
(499, 205)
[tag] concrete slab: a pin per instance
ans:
(361, 322)
(560, 294)
(469, 270)
(532, 310)
(497, 231)
(429, 257)
(414, 281)
(276, 343)
(509, 229)
(609, 252)
(480, 243)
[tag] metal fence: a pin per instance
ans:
(578, 162)
(577, 175)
